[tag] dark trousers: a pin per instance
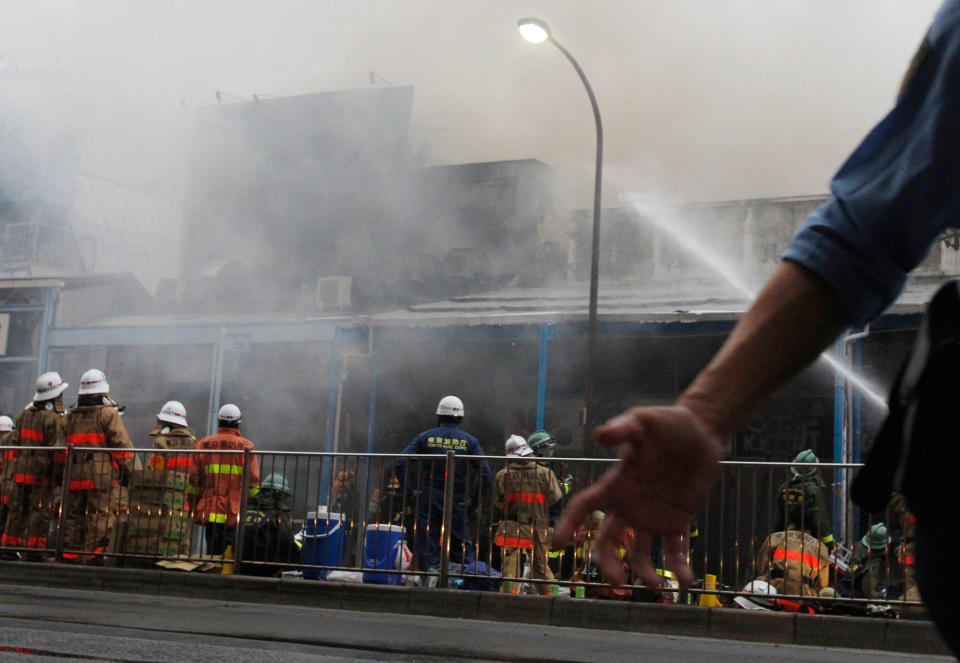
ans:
(938, 558)
(429, 520)
(218, 536)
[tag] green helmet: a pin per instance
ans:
(805, 457)
(540, 440)
(876, 538)
(277, 482)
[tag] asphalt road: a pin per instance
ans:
(41, 624)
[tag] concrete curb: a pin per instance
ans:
(910, 636)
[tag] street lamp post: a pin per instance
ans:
(536, 31)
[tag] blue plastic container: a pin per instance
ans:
(383, 543)
(323, 539)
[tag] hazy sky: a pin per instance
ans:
(701, 99)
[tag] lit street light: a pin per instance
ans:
(536, 31)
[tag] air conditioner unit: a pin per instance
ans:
(333, 293)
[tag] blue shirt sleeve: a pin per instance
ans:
(898, 190)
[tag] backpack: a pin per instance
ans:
(915, 452)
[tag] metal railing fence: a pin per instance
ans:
(425, 519)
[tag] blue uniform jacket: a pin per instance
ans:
(898, 190)
(439, 440)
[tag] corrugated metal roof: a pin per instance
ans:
(655, 302)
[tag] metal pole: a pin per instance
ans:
(64, 499)
(241, 519)
(588, 410)
(448, 481)
(216, 381)
(374, 379)
(542, 374)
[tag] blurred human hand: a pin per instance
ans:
(669, 460)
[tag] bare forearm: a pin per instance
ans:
(793, 319)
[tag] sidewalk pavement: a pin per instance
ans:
(899, 635)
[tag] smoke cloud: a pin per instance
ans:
(726, 99)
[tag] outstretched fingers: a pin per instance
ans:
(577, 510)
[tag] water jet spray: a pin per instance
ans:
(657, 213)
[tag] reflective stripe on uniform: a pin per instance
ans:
(82, 484)
(217, 518)
(85, 438)
(513, 542)
(121, 455)
(10, 454)
(796, 556)
(179, 462)
(525, 498)
(30, 434)
(10, 540)
(222, 468)
(37, 542)
(25, 478)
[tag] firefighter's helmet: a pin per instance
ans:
(762, 596)
(173, 412)
(49, 386)
(6, 424)
(877, 537)
(229, 413)
(541, 441)
(595, 520)
(277, 482)
(93, 382)
(516, 446)
(805, 457)
(450, 406)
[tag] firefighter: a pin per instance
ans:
(93, 499)
(429, 480)
(905, 551)
(543, 445)
(800, 501)
(33, 474)
(871, 570)
(171, 432)
(587, 555)
(7, 456)
(218, 478)
(268, 534)
(794, 562)
(524, 490)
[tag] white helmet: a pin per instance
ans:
(516, 446)
(450, 406)
(173, 412)
(229, 412)
(6, 424)
(93, 382)
(762, 588)
(49, 386)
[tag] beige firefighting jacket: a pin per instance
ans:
(39, 427)
(524, 490)
(794, 563)
(7, 465)
(171, 436)
(219, 477)
(96, 427)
